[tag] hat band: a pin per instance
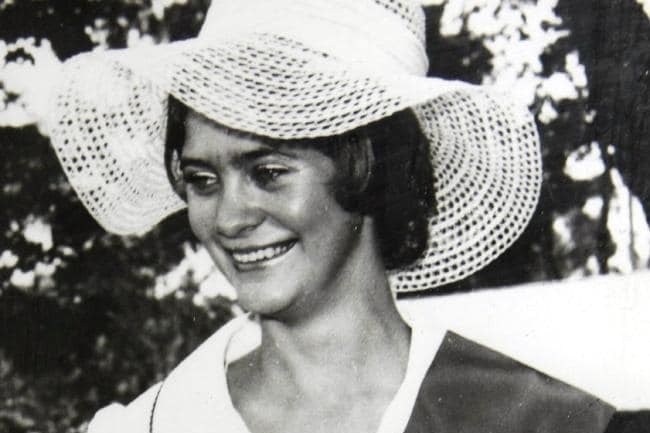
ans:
(363, 34)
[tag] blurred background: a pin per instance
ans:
(87, 318)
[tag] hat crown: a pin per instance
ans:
(380, 35)
(409, 12)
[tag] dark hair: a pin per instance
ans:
(393, 183)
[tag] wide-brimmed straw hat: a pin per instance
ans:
(297, 69)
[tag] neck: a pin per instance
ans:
(359, 330)
(346, 350)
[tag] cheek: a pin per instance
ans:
(199, 218)
(319, 218)
(308, 209)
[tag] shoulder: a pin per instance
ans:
(133, 418)
(584, 332)
(472, 388)
(188, 392)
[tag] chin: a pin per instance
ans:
(266, 299)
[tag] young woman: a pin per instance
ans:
(304, 139)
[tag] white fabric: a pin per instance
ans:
(425, 342)
(194, 398)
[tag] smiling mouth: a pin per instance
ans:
(250, 256)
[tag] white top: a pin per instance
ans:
(195, 399)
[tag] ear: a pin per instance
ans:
(176, 174)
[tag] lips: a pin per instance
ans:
(257, 255)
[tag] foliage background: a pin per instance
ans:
(87, 318)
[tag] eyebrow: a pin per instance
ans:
(239, 159)
(197, 162)
(246, 157)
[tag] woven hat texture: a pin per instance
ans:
(299, 69)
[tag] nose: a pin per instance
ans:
(237, 211)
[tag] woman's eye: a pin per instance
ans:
(200, 181)
(268, 174)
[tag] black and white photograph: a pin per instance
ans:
(350, 216)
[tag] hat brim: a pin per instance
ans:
(108, 129)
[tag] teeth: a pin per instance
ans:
(260, 255)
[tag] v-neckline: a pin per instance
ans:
(425, 341)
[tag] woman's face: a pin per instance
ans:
(267, 216)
